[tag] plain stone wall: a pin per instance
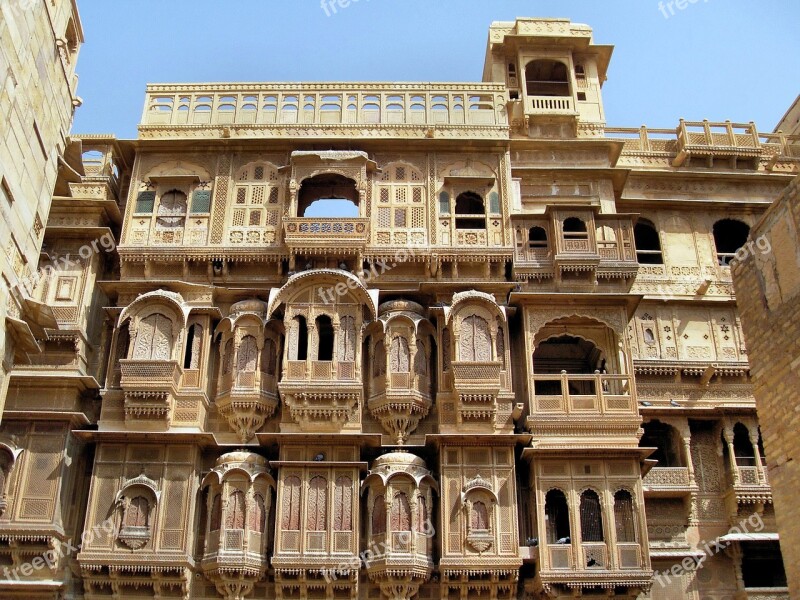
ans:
(768, 294)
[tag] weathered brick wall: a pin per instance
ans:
(768, 293)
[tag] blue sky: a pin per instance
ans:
(714, 59)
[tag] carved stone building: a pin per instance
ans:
(514, 370)
(39, 43)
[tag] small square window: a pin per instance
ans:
(581, 96)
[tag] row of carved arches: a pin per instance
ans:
(592, 521)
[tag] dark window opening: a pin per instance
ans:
(556, 514)
(325, 337)
(665, 439)
(574, 355)
(574, 227)
(762, 565)
(729, 236)
(302, 338)
(328, 196)
(591, 517)
(742, 447)
(470, 203)
(624, 517)
(648, 244)
(547, 78)
(193, 341)
(537, 237)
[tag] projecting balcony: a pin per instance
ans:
(323, 235)
(150, 387)
(621, 566)
(246, 400)
(749, 484)
(399, 401)
(668, 482)
(321, 395)
(726, 140)
(587, 401)
(326, 110)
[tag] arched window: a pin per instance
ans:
(6, 463)
(172, 210)
(216, 513)
(648, 243)
(227, 358)
(575, 228)
(324, 338)
(591, 517)
(556, 516)
(343, 504)
(137, 512)
(479, 517)
(194, 341)
(401, 513)
(420, 359)
(446, 345)
(121, 351)
(317, 504)
(247, 356)
(729, 236)
(623, 517)
(665, 439)
(258, 516)
(235, 511)
(547, 78)
(153, 338)
(501, 343)
(328, 195)
(379, 360)
(743, 447)
(470, 203)
(537, 238)
(268, 357)
(298, 345)
(422, 515)
(399, 355)
(291, 504)
(347, 339)
(475, 340)
(378, 516)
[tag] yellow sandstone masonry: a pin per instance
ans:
(401, 340)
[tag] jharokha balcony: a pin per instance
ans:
(150, 387)
(246, 399)
(323, 392)
(584, 401)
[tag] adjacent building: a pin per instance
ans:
(513, 367)
(39, 43)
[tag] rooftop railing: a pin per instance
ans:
(335, 104)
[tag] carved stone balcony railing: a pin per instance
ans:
(150, 387)
(246, 400)
(551, 105)
(321, 395)
(668, 481)
(399, 401)
(767, 593)
(477, 385)
(597, 564)
(596, 401)
(404, 564)
(598, 394)
(314, 235)
(672, 147)
(325, 110)
(749, 485)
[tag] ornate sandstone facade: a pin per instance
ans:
(514, 370)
